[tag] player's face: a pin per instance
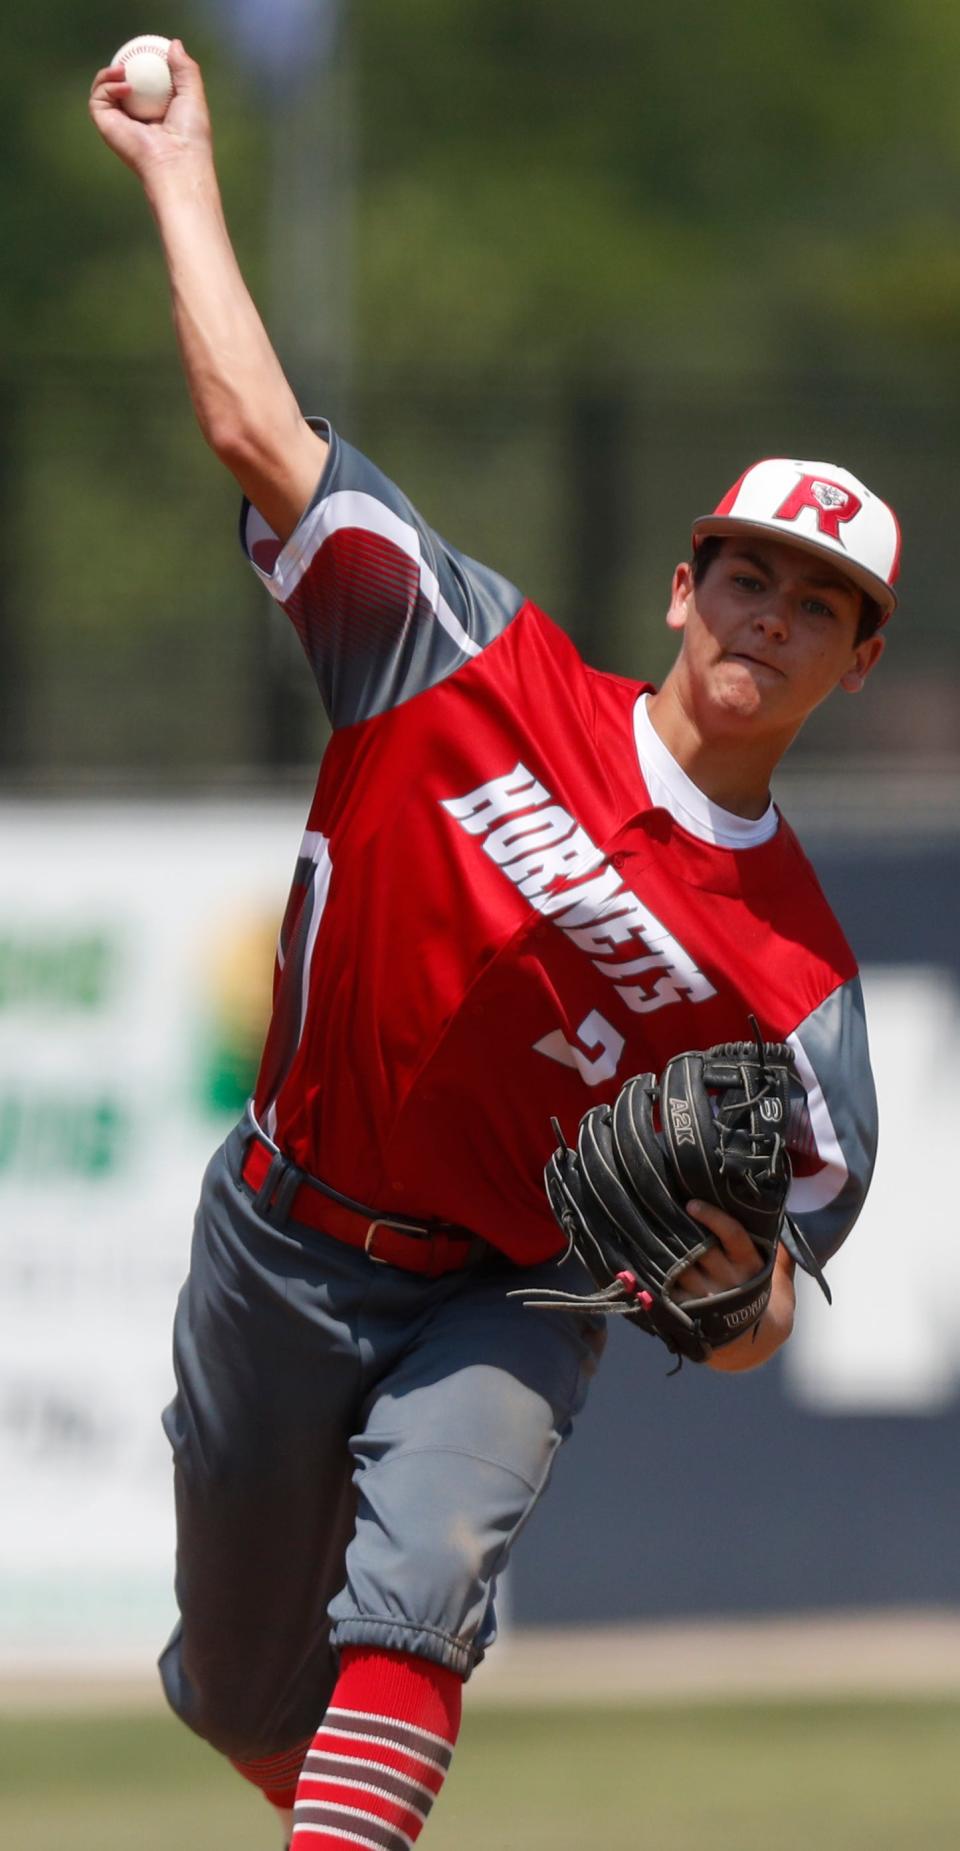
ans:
(769, 632)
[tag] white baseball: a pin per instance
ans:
(147, 72)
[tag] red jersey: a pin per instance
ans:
(493, 920)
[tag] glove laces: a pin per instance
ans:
(623, 1295)
(757, 1166)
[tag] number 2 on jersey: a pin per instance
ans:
(594, 1033)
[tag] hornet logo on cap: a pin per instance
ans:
(818, 506)
(832, 505)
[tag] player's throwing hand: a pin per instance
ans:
(183, 131)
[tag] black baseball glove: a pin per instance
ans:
(712, 1128)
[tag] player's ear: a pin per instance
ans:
(681, 591)
(865, 657)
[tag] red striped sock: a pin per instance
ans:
(276, 1775)
(378, 1761)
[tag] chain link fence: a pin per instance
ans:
(137, 646)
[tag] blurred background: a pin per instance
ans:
(563, 273)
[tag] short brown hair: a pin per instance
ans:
(871, 613)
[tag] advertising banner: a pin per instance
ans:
(136, 947)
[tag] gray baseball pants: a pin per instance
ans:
(356, 1449)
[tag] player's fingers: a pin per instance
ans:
(717, 1272)
(713, 1272)
(109, 116)
(188, 115)
(184, 70)
(735, 1245)
(109, 77)
(693, 1282)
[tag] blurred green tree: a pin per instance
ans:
(734, 220)
(735, 184)
(546, 182)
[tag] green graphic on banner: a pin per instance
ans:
(56, 970)
(49, 1135)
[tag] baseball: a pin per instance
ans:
(144, 61)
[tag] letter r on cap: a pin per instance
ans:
(831, 504)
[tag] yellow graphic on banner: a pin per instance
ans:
(237, 994)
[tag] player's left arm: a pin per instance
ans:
(833, 1139)
(833, 1148)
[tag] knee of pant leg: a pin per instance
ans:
(451, 1576)
(215, 1706)
(437, 1583)
(252, 1710)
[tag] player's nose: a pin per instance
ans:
(773, 616)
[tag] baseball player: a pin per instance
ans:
(521, 881)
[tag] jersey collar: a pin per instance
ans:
(672, 790)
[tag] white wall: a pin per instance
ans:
(891, 1341)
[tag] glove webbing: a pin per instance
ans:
(761, 1166)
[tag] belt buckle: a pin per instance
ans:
(401, 1227)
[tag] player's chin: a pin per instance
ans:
(747, 691)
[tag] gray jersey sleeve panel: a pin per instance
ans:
(839, 1124)
(383, 606)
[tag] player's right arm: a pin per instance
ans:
(243, 401)
(383, 606)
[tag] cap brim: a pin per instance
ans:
(725, 526)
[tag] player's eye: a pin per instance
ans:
(817, 608)
(747, 582)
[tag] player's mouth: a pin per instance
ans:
(741, 655)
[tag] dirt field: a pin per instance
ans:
(837, 1655)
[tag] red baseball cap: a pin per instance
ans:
(822, 508)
